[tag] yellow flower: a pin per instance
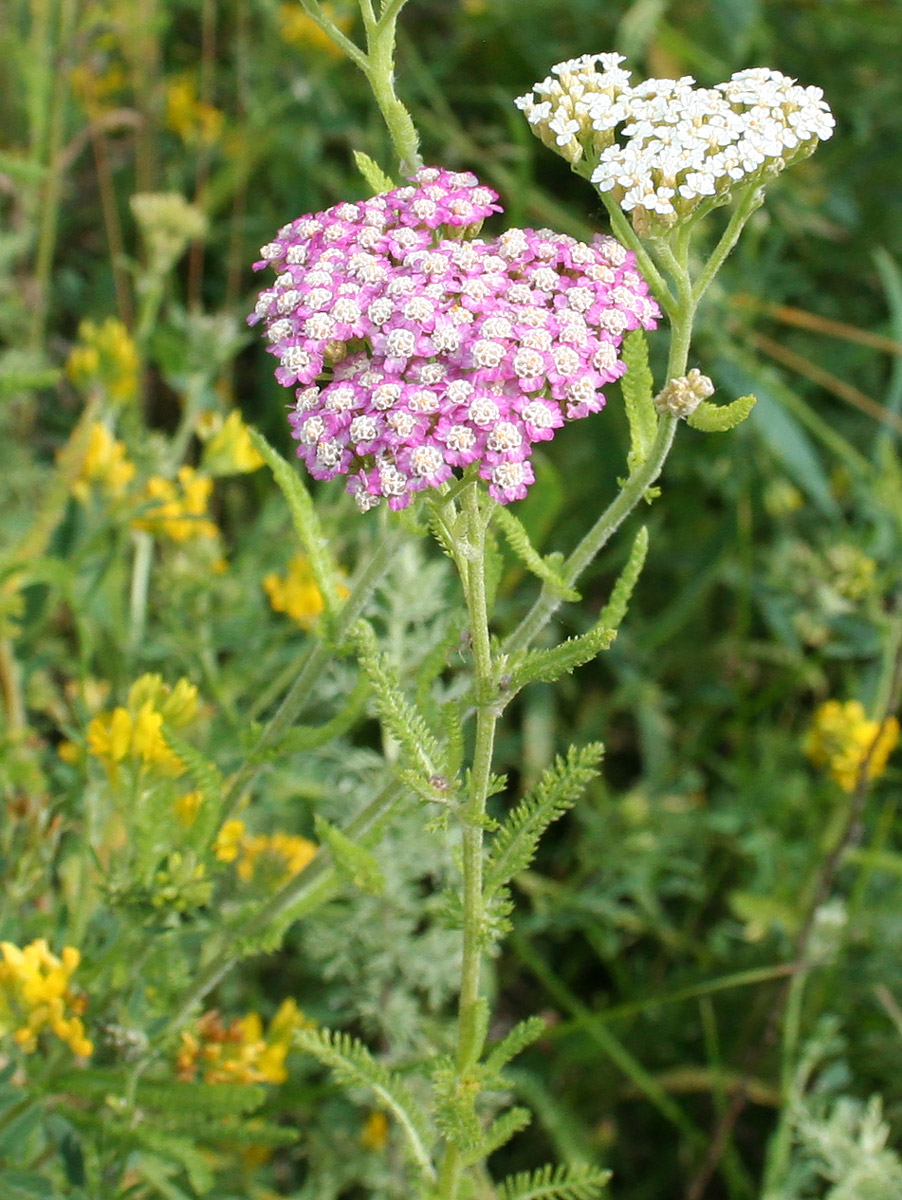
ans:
(228, 841)
(187, 807)
(302, 32)
(105, 464)
(230, 451)
(177, 510)
(99, 91)
(842, 739)
(239, 1052)
(296, 593)
(195, 121)
(135, 732)
(35, 996)
(284, 853)
(375, 1132)
(106, 360)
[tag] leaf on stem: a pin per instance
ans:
(637, 386)
(523, 1034)
(353, 1065)
(718, 418)
(373, 173)
(399, 717)
(352, 861)
(615, 610)
(518, 539)
(559, 788)
(306, 522)
(555, 1183)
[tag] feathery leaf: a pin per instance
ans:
(637, 386)
(555, 1183)
(353, 1065)
(718, 418)
(558, 790)
(615, 610)
(518, 539)
(305, 520)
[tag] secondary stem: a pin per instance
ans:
(470, 1018)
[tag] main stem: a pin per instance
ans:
(470, 1028)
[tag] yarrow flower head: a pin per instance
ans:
(665, 147)
(418, 348)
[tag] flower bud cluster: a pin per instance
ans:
(664, 147)
(419, 348)
(681, 397)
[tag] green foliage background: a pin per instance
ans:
(656, 930)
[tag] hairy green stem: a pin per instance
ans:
(640, 479)
(380, 73)
(470, 1024)
(140, 587)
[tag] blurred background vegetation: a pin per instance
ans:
(659, 930)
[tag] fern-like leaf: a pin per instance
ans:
(406, 725)
(718, 418)
(523, 1034)
(637, 386)
(615, 610)
(353, 1065)
(555, 1183)
(213, 1100)
(306, 522)
(353, 861)
(500, 1132)
(518, 539)
(547, 666)
(373, 174)
(558, 790)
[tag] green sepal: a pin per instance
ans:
(637, 386)
(352, 861)
(718, 418)
(555, 1183)
(517, 538)
(306, 523)
(560, 786)
(373, 173)
(353, 1065)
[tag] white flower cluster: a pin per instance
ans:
(665, 146)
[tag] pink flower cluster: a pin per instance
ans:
(419, 348)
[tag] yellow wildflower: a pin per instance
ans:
(230, 450)
(239, 1052)
(302, 32)
(842, 739)
(284, 853)
(99, 91)
(135, 732)
(296, 592)
(228, 841)
(177, 510)
(187, 807)
(375, 1132)
(105, 359)
(105, 464)
(35, 996)
(195, 121)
